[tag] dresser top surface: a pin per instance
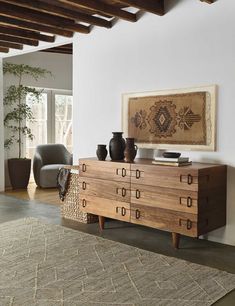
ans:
(144, 161)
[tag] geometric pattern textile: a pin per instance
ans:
(50, 265)
(170, 119)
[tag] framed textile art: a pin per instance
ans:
(182, 119)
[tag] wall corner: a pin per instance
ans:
(2, 176)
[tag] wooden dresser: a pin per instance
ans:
(189, 200)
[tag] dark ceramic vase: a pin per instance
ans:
(117, 146)
(19, 172)
(130, 150)
(101, 152)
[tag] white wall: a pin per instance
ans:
(193, 44)
(59, 64)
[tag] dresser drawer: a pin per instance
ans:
(168, 220)
(107, 170)
(166, 198)
(105, 207)
(113, 190)
(163, 176)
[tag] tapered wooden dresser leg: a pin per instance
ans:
(101, 222)
(176, 240)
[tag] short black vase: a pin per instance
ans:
(117, 146)
(101, 152)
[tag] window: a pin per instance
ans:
(52, 120)
(39, 125)
(63, 120)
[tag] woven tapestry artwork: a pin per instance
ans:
(169, 119)
(182, 119)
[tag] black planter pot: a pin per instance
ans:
(19, 172)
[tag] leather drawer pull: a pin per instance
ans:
(188, 223)
(123, 172)
(137, 174)
(137, 194)
(83, 167)
(123, 211)
(123, 192)
(83, 203)
(83, 185)
(189, 202)
(137, 214)
(190, 179)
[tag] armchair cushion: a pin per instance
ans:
(48, 175)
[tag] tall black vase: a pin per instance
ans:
(117, 146)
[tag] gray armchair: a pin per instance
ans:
(48, 159)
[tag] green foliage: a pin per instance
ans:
(19, 92)
(19, 70)
(15, 101)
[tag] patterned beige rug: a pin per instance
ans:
(50, 265)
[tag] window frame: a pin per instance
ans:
(51, 93)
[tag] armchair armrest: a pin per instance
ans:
(68, 158)
(37, 165)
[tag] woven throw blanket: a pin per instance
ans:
(62, 182)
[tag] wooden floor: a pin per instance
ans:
(46, 196)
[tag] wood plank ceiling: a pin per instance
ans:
(26, 22)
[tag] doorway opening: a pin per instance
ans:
(52, 120)
(52, 115)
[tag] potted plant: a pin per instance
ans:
(17, 113)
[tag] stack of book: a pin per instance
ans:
(175, 162)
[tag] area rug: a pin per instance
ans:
(50, 265)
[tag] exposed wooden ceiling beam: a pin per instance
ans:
(67, 46)
(4, 50)
(102, 7)
(61, 9)
(82, 9)
(33, 26)
(208, 1)
(152, 6)
(58, 50)
(64, 49)
(26, 21)
(19, 40)
(26, 14)
(11, 45)
(26, 34)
